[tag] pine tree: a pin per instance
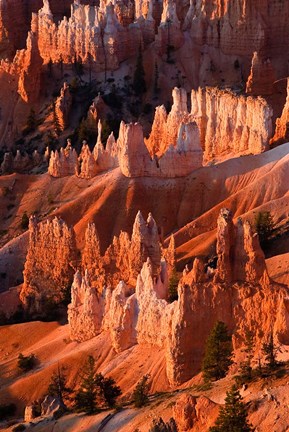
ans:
(31, 122)
(58, 385)
(173, 286)
(140, 393)
(233, 415)
(56, 124)
(86, 396)
(139, 83)
(108, 391)
(218, 353)
(270, 351)
(264, 227)
(246, 366)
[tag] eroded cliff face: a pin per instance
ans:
(237, 292)
(50, 264)
(282, 123)
(227, 123)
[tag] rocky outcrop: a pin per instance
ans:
(177, 161)
(227, 124)
(185, 412)
(193, 413)
(237, 293)
(282, 123)
(170, 35)
(98, 34)
(63, 163)
(49, 265)
(92, 259)
(85, 310)
(240, 257)
(261, 78)
(231, 124)
(22, 163)
(63, 106)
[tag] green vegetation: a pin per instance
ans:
(245, 371)
(140, 393)
(108, 391)
(95, 389)
(233, 416)
(269, 350)
(173, 286)
(264, 227)
(139, 83)
(58, 385)
(26, 363)
(218, 353)
(24, 221)
(86, 396)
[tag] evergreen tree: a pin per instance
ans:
(218, 353)
(173, 286)
(139, 83)
(56, 124)
(86, 396)
(156, 80)
(31, 122)
(108, 391)
(270, 351)
(233, 415)
(264, 227)
(140, 393)
(58, 385)
(246, 366)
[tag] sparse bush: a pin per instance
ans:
(26, 363)
(24, 221)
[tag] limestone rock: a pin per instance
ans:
(92, 259)
(30, 62)
(63, 106)
(49, 263)
(231, 124)
(144, 244)
(122, 317)
(184, 412)
(88, 167)
(63, 163)
(85, 312)
(282, 123)
(261, 78)
(52, 406)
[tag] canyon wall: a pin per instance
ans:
(227, 123)
(236, 293)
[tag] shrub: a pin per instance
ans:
(24, 221)
(26, 363)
